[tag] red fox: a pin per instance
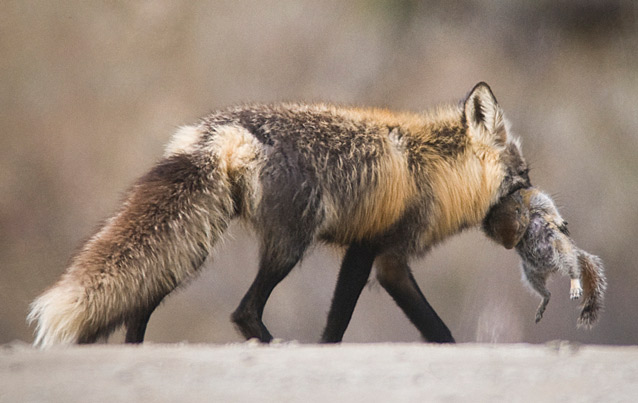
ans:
(528, 220)
(388, 186)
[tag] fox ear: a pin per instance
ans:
(484, 116)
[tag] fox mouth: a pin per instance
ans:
(526, 184)
(518, 187)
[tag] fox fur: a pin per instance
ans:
(391, 184)
(529, 220)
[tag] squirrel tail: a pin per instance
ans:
(594, 286)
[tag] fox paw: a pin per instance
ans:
(575, 293)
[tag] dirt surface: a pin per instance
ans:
(284, 372)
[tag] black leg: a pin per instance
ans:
(353, 275)
(136, 327)
(396, 278)
(88, 339)
(248, 316)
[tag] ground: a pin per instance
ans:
(290, 372)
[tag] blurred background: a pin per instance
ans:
(91, 91)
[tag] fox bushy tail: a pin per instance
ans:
(594, 285)
(164, 231)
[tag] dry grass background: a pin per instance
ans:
(91, 91)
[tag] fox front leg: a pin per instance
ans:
(396, 278)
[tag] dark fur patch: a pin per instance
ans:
(256, 124)
(289, 208)
(448, 140)
(479, 116)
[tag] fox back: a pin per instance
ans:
(351, 174)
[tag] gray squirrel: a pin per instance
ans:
(529, 221)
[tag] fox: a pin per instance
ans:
(385, 186)
(529, 220)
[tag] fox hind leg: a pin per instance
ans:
(273, 267)
(287, 219)
(282, 247)
(136, 325)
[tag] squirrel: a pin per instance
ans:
(528, 220)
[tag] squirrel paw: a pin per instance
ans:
(575, 289)
(575, 293)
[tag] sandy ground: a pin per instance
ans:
(290, 372)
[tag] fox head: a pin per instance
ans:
(489, 129)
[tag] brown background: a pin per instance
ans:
(91, 91)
